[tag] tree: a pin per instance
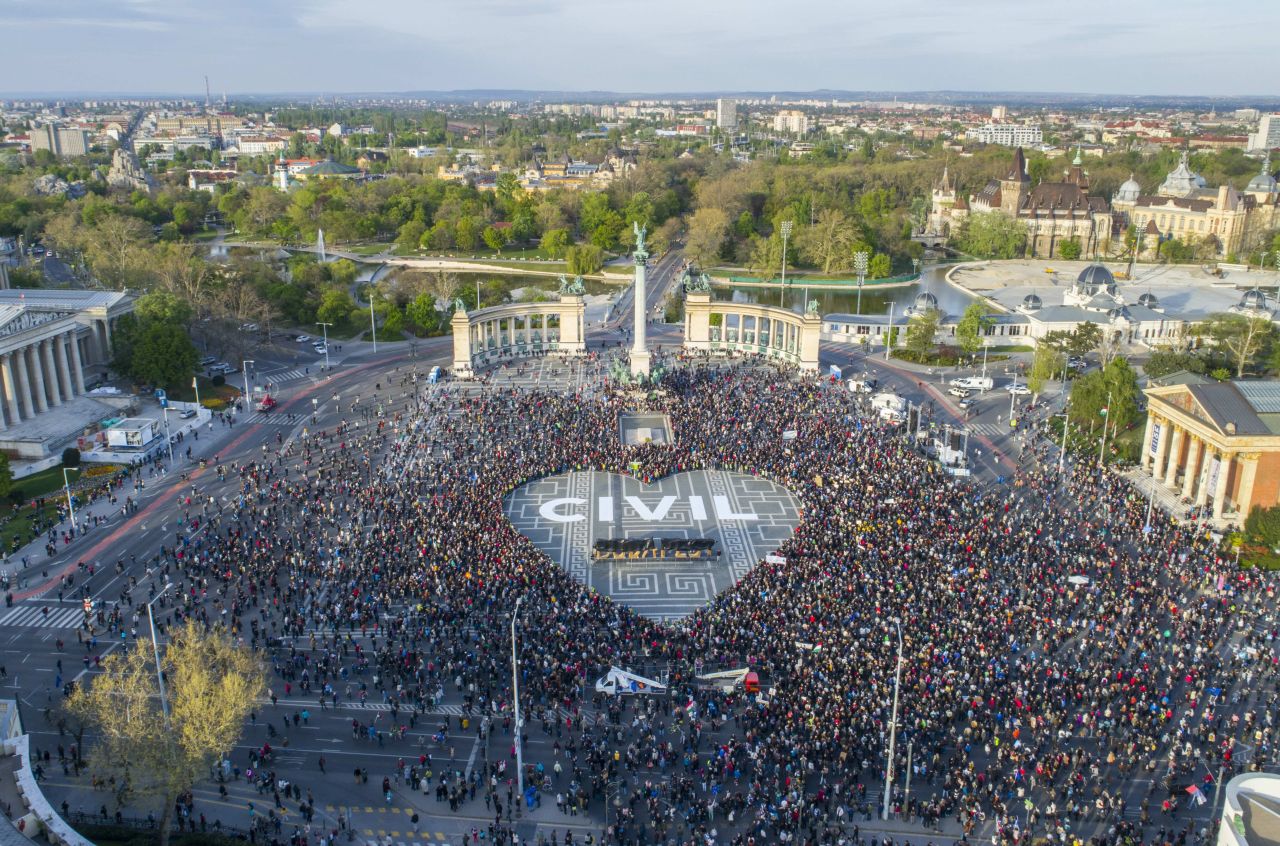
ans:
(1238, 336)
(972, 327)
(879, 267)
(1163, 362)
(163, 355)
(707, 230)
(466, 234)
(992, 235)
(1263, 526)
(828, 243)
(555, 242)
(494, 238)
(584, 259)
(1069, 249)
(1046, 365)
(71, 457)
(335, 305)
(921, 331)
(6, 476)
(409, 237)
(1086, 337)
(211, 685)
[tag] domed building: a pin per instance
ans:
(1094, 288)
(1150, 300)
(1183, 207)
(1031, 302)
(923, 303)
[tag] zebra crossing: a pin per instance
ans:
(268, 418)
(58, 617)
(279, 377)
(989, 430)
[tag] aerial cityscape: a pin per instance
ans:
(546, 424)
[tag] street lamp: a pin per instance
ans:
(244, 365)
(66, 483)
(155, 650)
(324, 330)
(786, 233)
(893, 722)
(515, 695)
(196, 387)
(861, 260)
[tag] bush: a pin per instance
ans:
(98, 470)
(1263, 526)
(214, 404)
(218, 380)
(71, 457)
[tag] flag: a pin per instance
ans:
(1197, 796)
(1103, 411)
(193, 381)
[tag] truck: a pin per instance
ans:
(267, 403)
(727, 681)
(974, 383)
(862, 386)
(624, 682)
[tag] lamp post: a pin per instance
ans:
(168, 438)
(1106, 417)
(515, 695)
(244, 365)
(324, 331)
(195, 386)
(786, 233)
(893, 723)
(66, 483)
(888, 343)
(373, 325)
(861, 261)
(155, 651)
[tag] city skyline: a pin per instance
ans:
(148, 47)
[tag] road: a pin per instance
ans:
(41, 651)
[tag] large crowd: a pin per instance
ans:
(1067, 671)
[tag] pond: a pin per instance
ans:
(951, 300)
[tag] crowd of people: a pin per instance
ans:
(1059, 668)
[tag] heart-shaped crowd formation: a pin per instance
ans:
(664, 549)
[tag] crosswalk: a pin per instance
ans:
(279, 377)
(269, 418)
(58, 617)
(989, 430)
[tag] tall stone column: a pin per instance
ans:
(50, 372)
(639, 348)
(64, 371)
(24, 384)
(10, 389)
(1220, 490)
(37, 378)
(1195, 451)
(1248, 476)
(1175, 456)
(77, 367)
(462, 352)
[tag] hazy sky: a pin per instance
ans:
(330, 46)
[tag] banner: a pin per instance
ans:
(1155, 438)
(650, 549)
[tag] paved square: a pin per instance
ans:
(636, 428)
(565, 515)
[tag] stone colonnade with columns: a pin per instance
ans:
(768, 331)
(41, 366)
(1205, 467)
(507, 331)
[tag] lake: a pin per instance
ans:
(875, 300)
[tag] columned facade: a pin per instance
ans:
(498, 333)
(1209, 450)
(769, 331)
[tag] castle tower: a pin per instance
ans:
(1015, 185)
(944, 200)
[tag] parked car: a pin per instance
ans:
(188, 414)
(965, 404)
(302, 339)
(321, 349)
(975, 383)
(207, 360)
(958, 391)
(1019, 390)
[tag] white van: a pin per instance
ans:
(435, 375)
(974, 383)
(862, 386)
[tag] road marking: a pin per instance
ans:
(33, 615)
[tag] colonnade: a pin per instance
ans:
(39, 376)
(1196, 468)
(769, 331)
(508, 331)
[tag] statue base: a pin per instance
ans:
(640, 360)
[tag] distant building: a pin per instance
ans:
(999, 112)
(1223, 219)
(727, 114)
(126, 173)
(257, 145)
(62, 141)
(1006, 135)
(1268, 135)
(792, 121)
(1053, 212)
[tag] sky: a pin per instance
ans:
(1162, 47)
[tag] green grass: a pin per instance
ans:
(18, 519)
